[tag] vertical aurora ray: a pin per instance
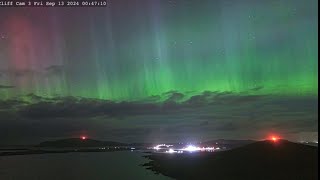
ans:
(127, 52)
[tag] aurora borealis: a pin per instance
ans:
(162, 51)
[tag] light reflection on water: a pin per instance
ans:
(77, 166)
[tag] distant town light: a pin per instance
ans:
(83, 137)
(171, 151)
(274, 138)
(191, 148)
(161, 146)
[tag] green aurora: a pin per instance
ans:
(130, 52)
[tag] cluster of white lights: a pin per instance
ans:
(157, 147)
(189, 148)
(192, 148)
(173, 151)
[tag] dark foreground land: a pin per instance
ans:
(265, 160)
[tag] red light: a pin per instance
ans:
(83, 137)
(274, 138)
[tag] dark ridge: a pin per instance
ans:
(77, 142)
(230, 143)
(264, 160)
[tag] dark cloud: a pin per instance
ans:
(204, 123)
(6, 87)
(228, 126)
(22, 72)
(198, 99)
(11, 104)
(18, 73)
(209, 114)
(174, 97)
(152, 99)
(257, 88)
(55, 69)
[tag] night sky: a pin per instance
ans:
(160, 70)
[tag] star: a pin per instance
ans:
(2, 36)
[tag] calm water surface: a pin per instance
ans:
(76, 166)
